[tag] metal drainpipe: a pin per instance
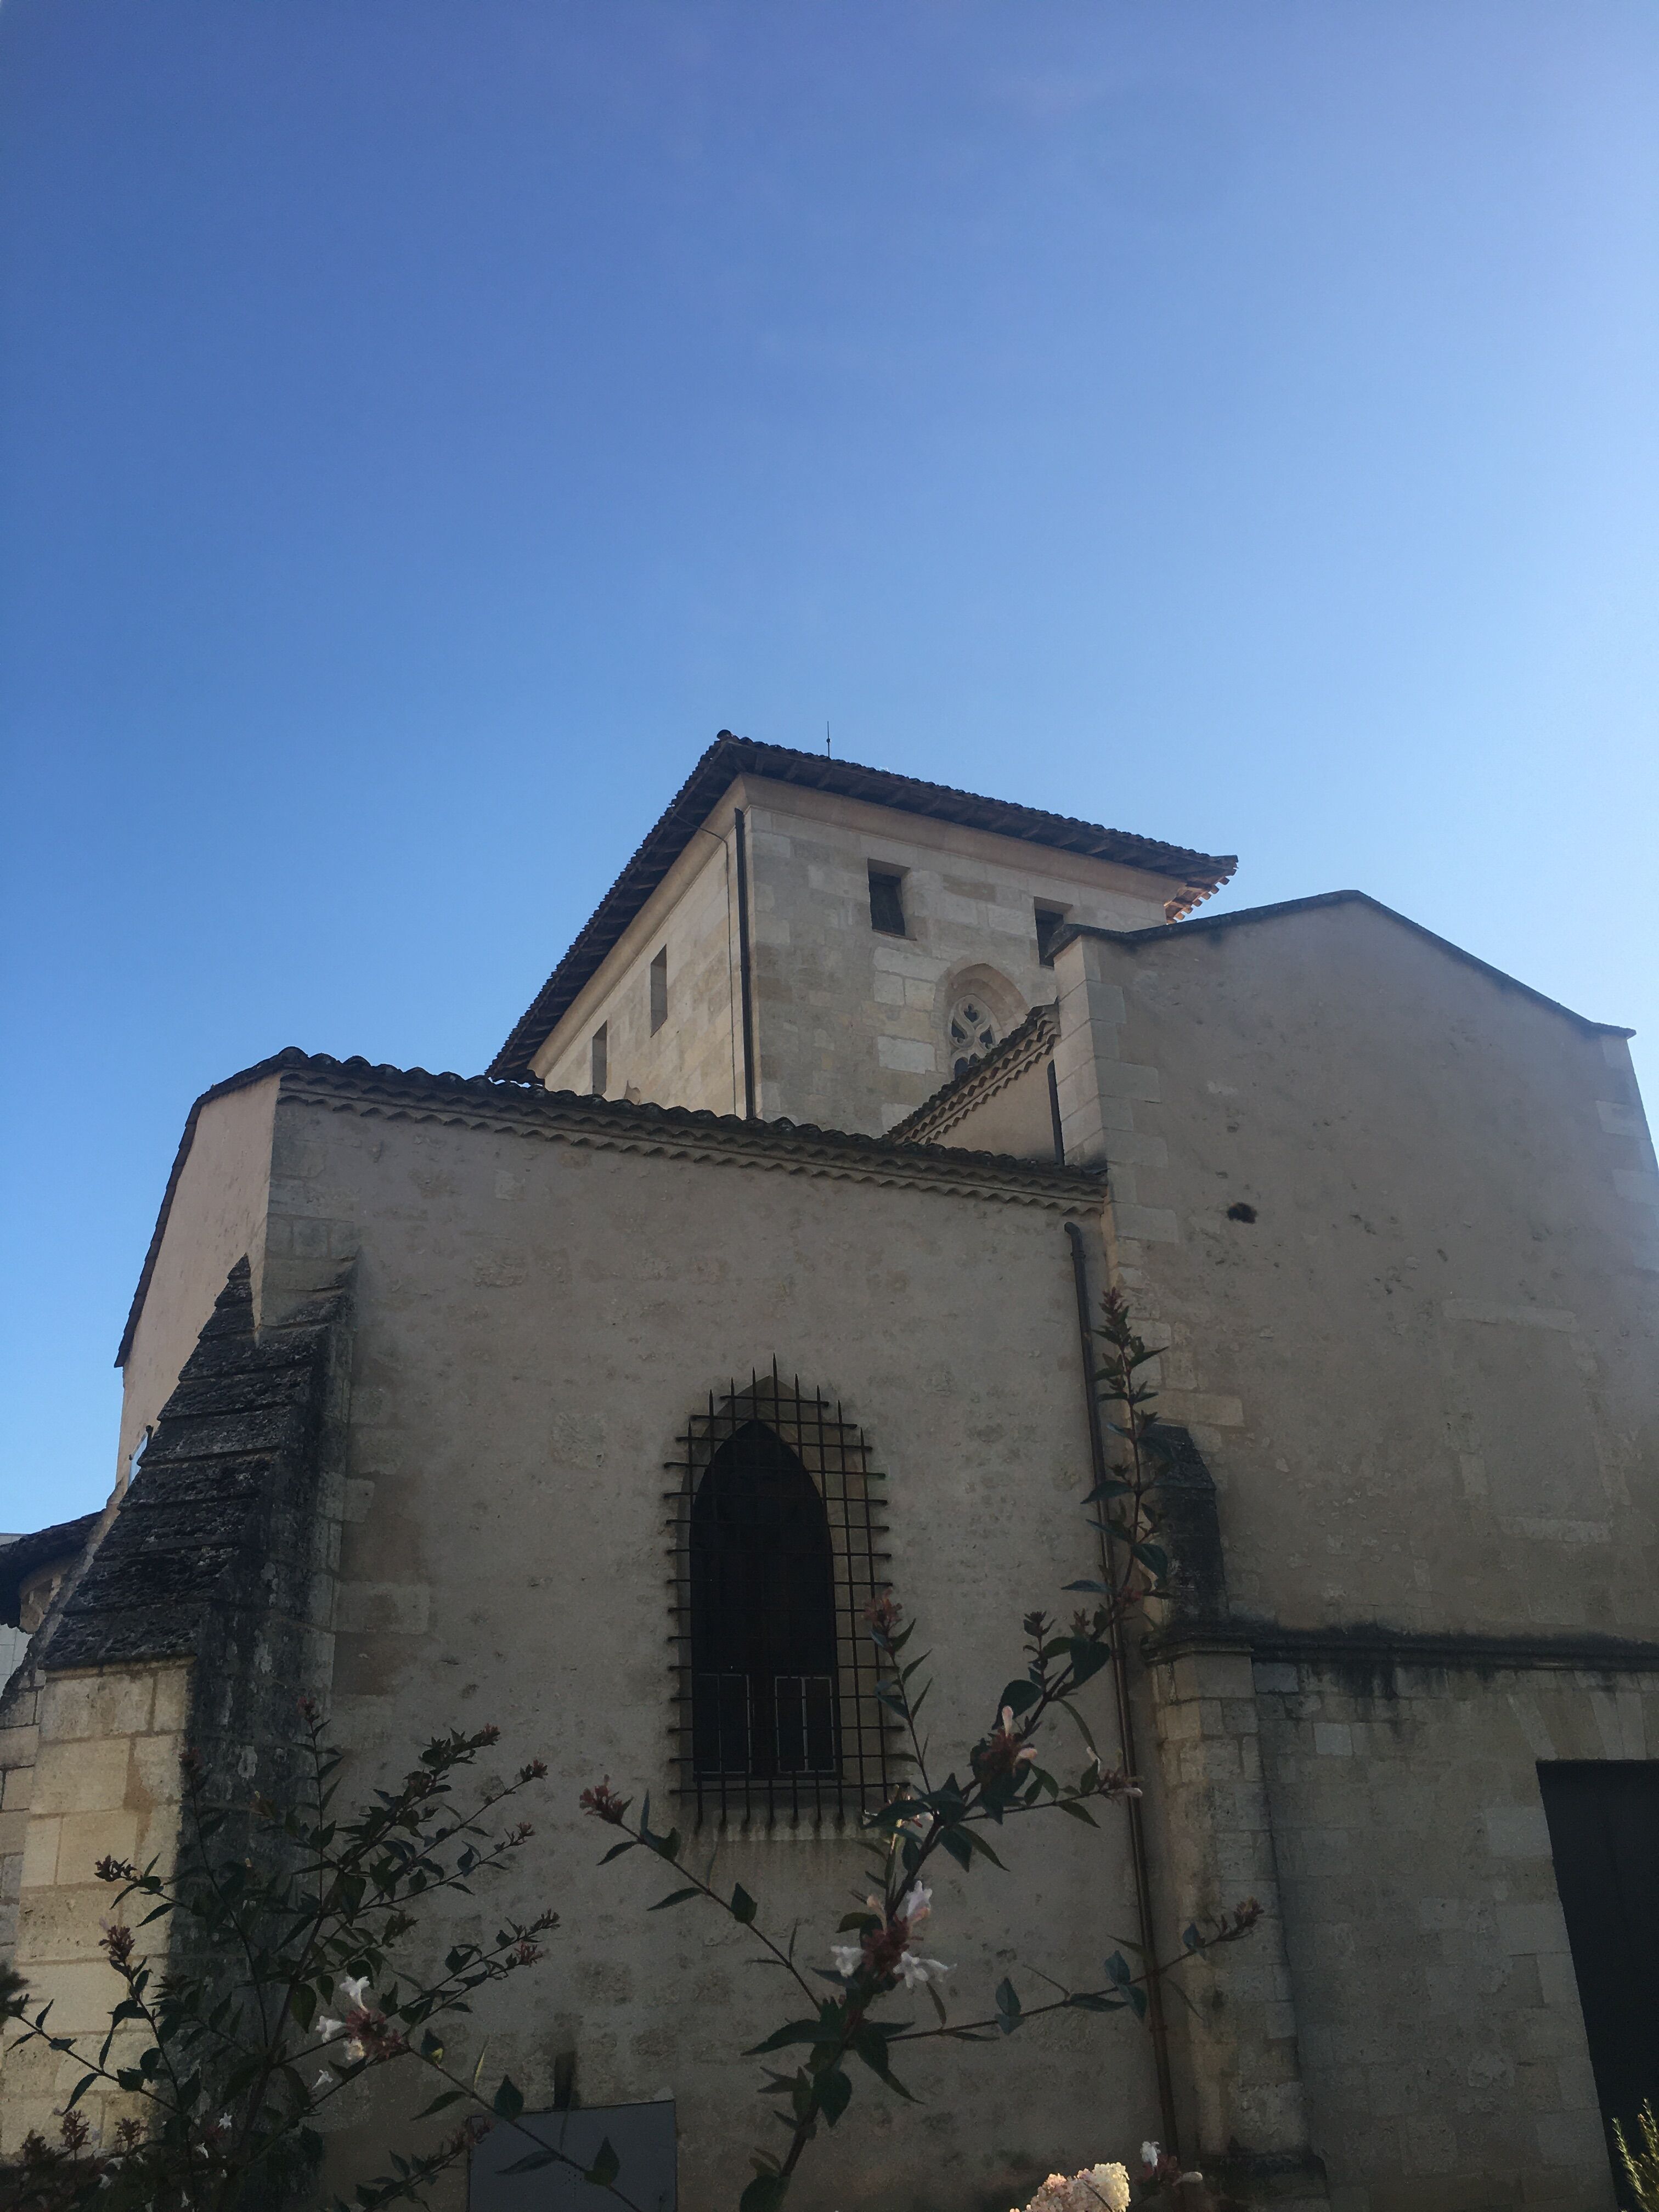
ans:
(1125, 1727)
(745, 974)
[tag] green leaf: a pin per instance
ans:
(533, 2162)
(508, 2101)
(794, 2031)
(437, 2104)
(1190, 1936)
(617, 1850)
(765, 2193)
(606, 2167)
(80, 2091)
(743, 1907)
(1153, 1557)
(1017, 1695)
(1093, 2000)
(1118, 1968)
(674, 1897)
(835, 2091)
(1087, 1662)
(1077, 1812)
(1008, 2006)
(957, 1842)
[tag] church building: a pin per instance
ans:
(800, 1180)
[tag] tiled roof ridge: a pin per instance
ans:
(730, 757)
(627, 1115)
(1207, 925)
(1010, 1056)
(527, 1099)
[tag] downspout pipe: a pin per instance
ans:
(745, 965)
(1156, 2019)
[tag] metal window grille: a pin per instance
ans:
(764, 1741)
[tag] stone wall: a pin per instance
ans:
(1386, 1209)
(850, 1024)
(541, 1299)
(96, 1772)
(1440, 2038)
(694, 1058)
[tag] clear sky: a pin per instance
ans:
(427, 422)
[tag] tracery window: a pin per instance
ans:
(775, 1522)
(972, 1029)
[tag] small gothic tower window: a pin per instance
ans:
(776, 1526)
(972, 1028)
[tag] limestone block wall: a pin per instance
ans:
(1388, 1213)
(216, 1212)
(1441, 2039)
(693, 1058)
(849, 1023)
(852, 1023)
(96, 1772)
(535, 1318)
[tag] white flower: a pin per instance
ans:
(325, 2080)
(847, 1957)
(328, 2029)
(353, 1985)
(918, 1972)
(1149, 2153)
(354, 2049)
(1110, 2185)
(916, 1905)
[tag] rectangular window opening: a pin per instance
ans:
(601, 1060)
(658, 990)
(886, 902)
(1050, 919)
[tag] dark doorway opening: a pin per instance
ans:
(762, 1615)
(1603, 1817)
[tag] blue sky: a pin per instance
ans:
(426, 422)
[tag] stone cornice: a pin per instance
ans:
(680, 1132)
(1375, 1650)
(1023, 1049)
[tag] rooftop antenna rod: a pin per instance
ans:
(826, 741)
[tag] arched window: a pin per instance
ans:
(776, 1532)
(762, 1615)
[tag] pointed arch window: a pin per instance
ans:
(776, 1527)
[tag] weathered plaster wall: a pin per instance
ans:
(1424, 1376)
(217, 1214)
(692, 1059)
(535, 1320)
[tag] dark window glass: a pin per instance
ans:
(886, 902)
(658, 990)
(1049, 921)
(601, 1060)
(762, 1615)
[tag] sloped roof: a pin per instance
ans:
(1198, 874)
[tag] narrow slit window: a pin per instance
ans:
(658, 990)
(887, 902)
(1050, 919)
(601, 1069)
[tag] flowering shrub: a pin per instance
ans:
(228, 2067)
(1006, 1785)
(1087, 2191)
